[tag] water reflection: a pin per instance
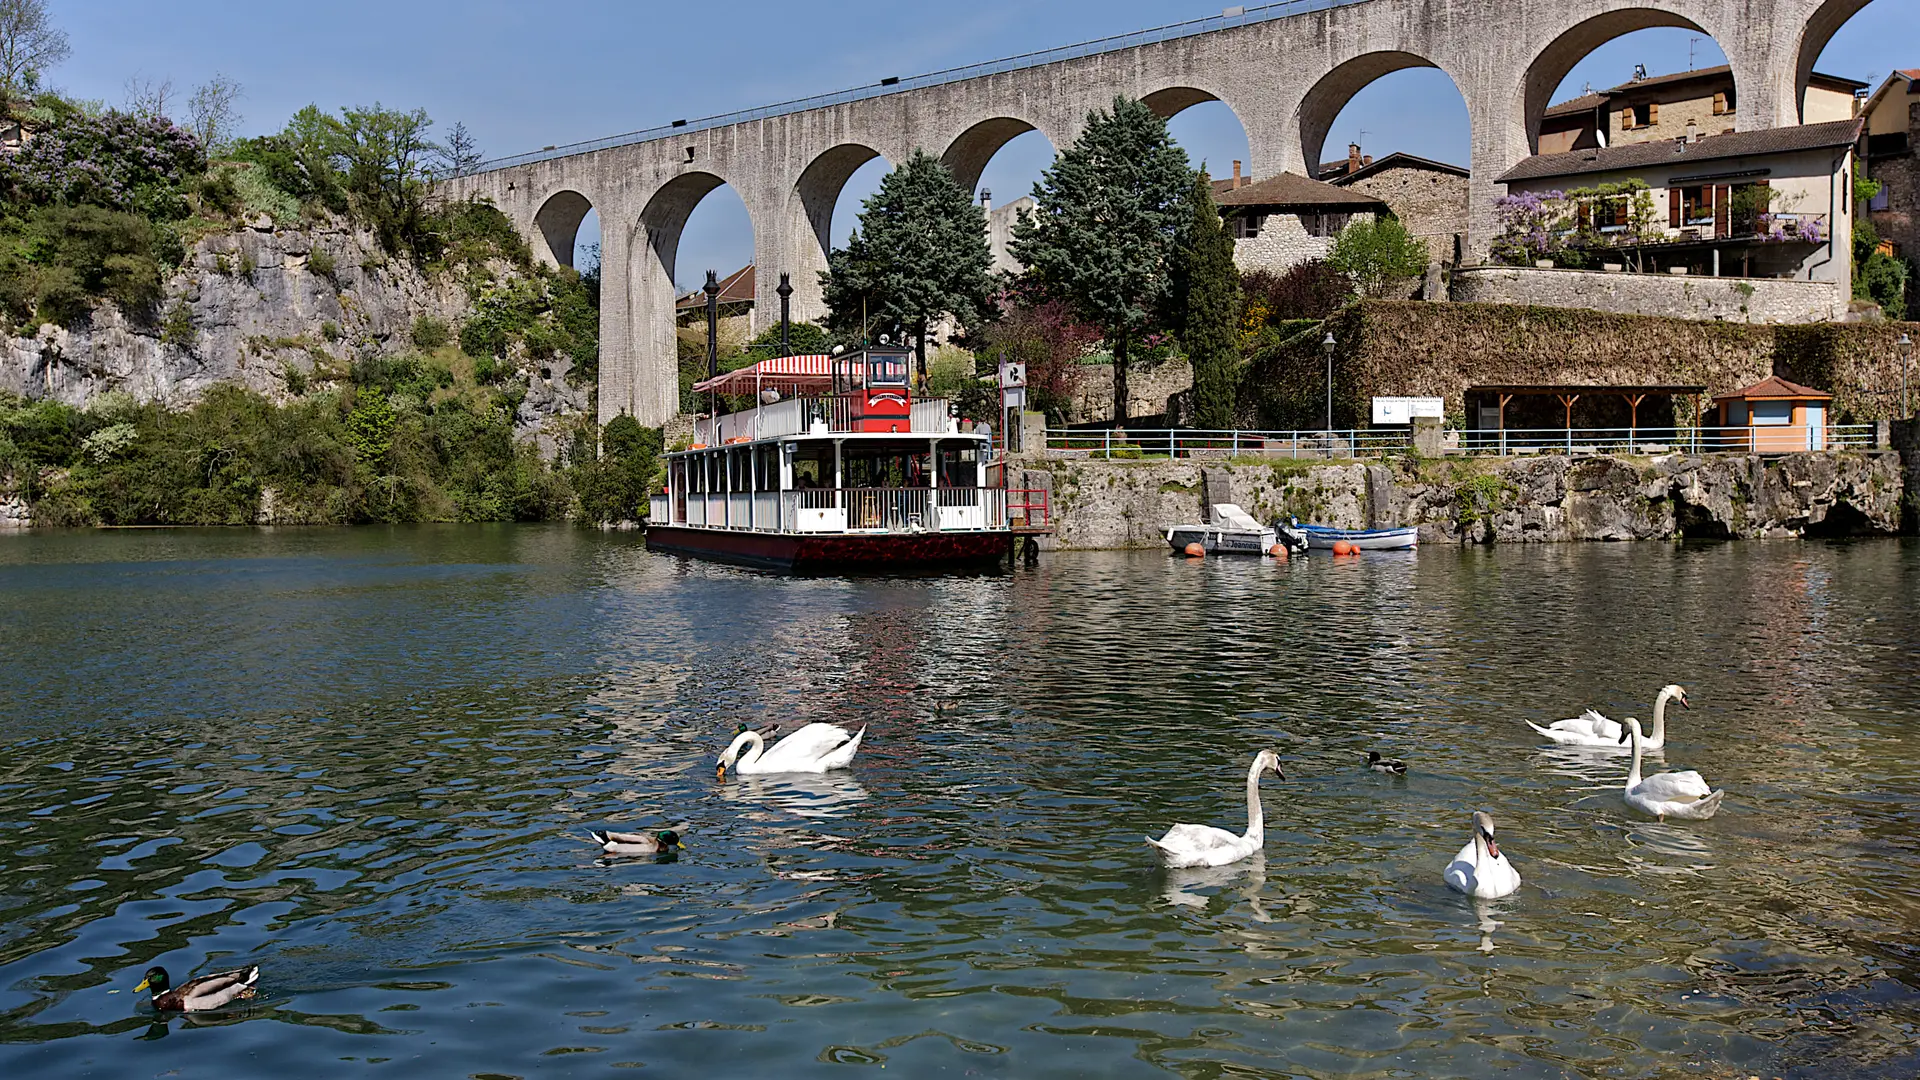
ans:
(364, 759)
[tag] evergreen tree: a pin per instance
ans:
(920, 255)
(1208, 285)
(1112, 210)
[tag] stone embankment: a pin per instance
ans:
(1117, 504)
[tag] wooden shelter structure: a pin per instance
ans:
(1774, 416)
(1568, 395)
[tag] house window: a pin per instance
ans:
(1325, 225)
(1247, 226)
(1879, 200)
(1639, 116)
(1696, 205)
(1608, 213)
(1772, 413)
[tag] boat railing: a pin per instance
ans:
(839, 510)
(1200, 442)
(797, 415)
(1030, 508)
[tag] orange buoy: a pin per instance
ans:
(1341, 547)
(1196, 551)
(1278, 551)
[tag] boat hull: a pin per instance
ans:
(813, 553)
(1219, 541)
(1321, 537)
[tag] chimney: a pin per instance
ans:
(1353, 157)
(986, 200)
(1236, 175)
(1368, 160)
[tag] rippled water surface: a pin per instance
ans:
(364, 760)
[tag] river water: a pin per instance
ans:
(363, 759)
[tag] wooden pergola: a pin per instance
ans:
(1568, 394)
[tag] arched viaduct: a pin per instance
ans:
(1286, 71)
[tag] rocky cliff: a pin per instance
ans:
(1110, 504)
(261, 307)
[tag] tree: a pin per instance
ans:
(461, 155)
(920, 255)
(29, 45)
(211, 111)
(383, 153)
(147, 98)
(1111, 212)
(1209, 283)
(1377, 256)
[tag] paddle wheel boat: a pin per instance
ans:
(836, 467)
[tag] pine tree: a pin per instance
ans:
(1111, 212)
(919, 255)
(1208, 284)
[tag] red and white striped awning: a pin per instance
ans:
(790, 373)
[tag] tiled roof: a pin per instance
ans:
(1397, 160)
(735, 288)
(1782, 140)
(1585, 103)
(1287, 189)
(1775, 387)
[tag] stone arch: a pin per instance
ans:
(968, 154)
(558, 224)
(649, 388)
(1322, 103)
(808, 233)
(818, 189)
(1551, 64)
(1814, 33)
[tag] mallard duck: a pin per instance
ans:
(205, 992)
(1385, 764)
(814, 748)
(1204, 845)
(629, 843)
(1480, 870)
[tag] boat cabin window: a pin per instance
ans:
(766, 467)
(884, 467)
(813, 468)
(959, 465)
(886, 371)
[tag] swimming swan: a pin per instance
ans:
(813, 749)
(1204, 845)
(1594, 730)
(1668, 794)
(1480, 870)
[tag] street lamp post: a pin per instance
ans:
(712, 289)
(1905, 345)
(786, 293)
(1327, 347)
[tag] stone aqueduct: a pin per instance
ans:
(1285, 71)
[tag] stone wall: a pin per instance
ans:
(1900, 221)
(1430, 203)
(1118, 504)
(1148, 388)
(1676, 296)
(1286, 240)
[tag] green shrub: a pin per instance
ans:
(57, 259)
(258, 195)
(430, 332)
(320, 261)
(177, 328)
(247, 265)
(219, 194)
(330, 331)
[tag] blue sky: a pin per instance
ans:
(523, 75)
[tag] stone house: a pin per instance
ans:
(1000, 221)
(1687, 104)
(1285, 220)
(1893, 137)
(1429, 197)
(735, 299)
(1772, 204)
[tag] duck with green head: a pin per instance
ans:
(197, 995)
(663, 842)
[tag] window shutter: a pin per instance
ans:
(1620, 210)
(1585, 213)
(1719, 104)
(1722, 205)
(1626, 119)
(1653, 114)
(1673, 207)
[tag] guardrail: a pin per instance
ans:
(1114, 43)
(1196, 442)
(1760, 439)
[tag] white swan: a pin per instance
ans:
(1668, 794)
(1204, 845)
(1480, 870)
(1594, 730)
(813, 749)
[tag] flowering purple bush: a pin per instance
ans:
(1529, 220)
(116, 161)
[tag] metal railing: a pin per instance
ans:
(1192, 442)
(833, 510)
(1761, 439)
(795, 416)
(1115, 43)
